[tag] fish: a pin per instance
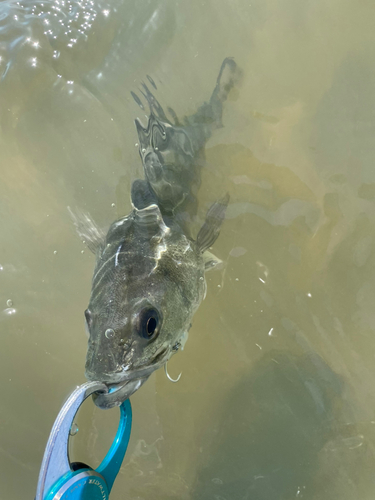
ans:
(149, 276)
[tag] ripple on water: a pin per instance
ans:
(42, 36)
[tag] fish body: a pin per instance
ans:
(149, 277)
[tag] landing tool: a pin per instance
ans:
(59, 479)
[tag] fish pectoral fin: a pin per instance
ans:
(210, 230)
(89, 232)
(210, 261)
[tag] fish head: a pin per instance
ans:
(135, 331)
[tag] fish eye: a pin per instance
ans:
(149, 323)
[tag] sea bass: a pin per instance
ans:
(149, 277)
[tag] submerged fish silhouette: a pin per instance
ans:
(172, 154)
(149, 277)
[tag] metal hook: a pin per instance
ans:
(169, 377)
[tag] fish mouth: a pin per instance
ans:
(121, 389)
(118, 393)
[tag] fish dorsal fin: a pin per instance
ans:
(89, 232)
(210, 230)
(150, 218)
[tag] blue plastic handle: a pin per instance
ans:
(111, 464)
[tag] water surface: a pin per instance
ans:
(277, 398)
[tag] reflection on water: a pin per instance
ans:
(276, 399)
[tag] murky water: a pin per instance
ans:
(277, 397)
